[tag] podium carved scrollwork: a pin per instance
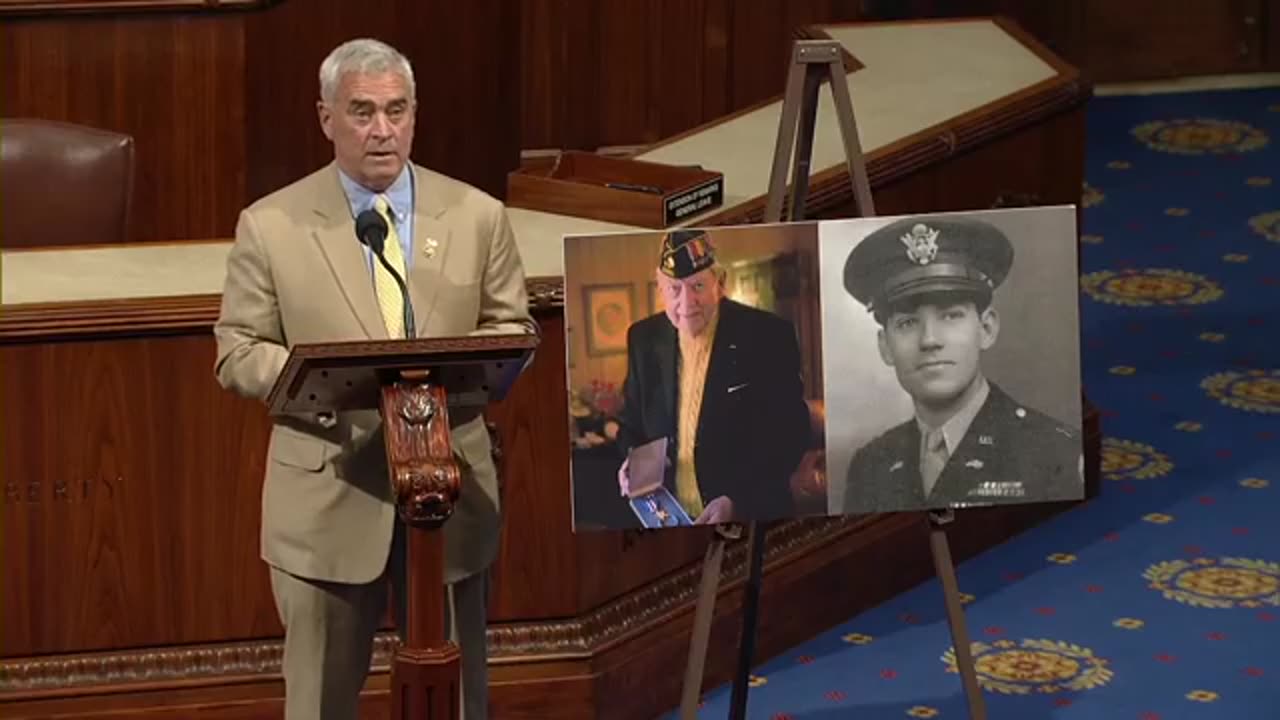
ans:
(425, 476)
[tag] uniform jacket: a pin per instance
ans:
(753, 426)
(1006, 443)
(297, 274)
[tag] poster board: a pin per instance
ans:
(806, 404)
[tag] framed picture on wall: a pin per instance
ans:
(609, 312)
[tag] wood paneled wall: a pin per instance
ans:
(118, 472)
(176, 83)
(637, 71)
(222, 104)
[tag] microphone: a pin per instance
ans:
(372, 230)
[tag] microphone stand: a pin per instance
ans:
(409, 331)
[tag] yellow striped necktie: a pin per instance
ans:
(390, 300)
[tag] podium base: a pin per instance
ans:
(425, 685)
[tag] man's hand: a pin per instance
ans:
(624, 479)
(717, 511)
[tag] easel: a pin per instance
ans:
(938, 520)
(812, 63)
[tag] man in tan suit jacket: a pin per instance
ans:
(297, 274)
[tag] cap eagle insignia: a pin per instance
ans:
(922, 244)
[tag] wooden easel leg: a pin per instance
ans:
(802, 164)
(786, 140)
(859, 183)
(955, 613)
(750, 611)
(813, 61)
(701, 636)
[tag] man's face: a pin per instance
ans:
(692, 302)
(935, 348)
(370, 123)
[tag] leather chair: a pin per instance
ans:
(63, 184)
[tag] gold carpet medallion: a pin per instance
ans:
(1128, 460)
(1200, 136)
(1034, 666)
(1217, 583)
(1250, 390)
(1267, 225)
(1152, 286)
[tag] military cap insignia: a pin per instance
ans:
(685, 252)
(922, 244)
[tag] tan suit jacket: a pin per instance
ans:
(297, 274)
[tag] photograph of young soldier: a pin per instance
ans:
(929, 283)
(721, 381)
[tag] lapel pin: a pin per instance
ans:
(975, 464)
(985, 440)
(430, 249)
(896, 466)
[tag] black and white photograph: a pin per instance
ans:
(694, 375)
(951, 350)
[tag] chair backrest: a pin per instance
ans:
(63, 184)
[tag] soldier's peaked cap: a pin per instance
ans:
(929, 254)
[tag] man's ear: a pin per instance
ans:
(883, 344)
(989, 322)
(326, 119)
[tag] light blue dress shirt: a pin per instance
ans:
(400, 198)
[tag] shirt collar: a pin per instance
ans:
(954, 429)
(399, 194)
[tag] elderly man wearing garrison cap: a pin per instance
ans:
(721, 382)
(929, 284)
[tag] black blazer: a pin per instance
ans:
(753, 426)
(1007, 448)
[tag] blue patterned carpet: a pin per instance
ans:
(1161, 599)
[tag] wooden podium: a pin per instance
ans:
(414, 384)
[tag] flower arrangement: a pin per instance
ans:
(599, 399)
(595, 408)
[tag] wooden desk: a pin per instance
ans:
(132, 576)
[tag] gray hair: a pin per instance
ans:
(363, 55)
